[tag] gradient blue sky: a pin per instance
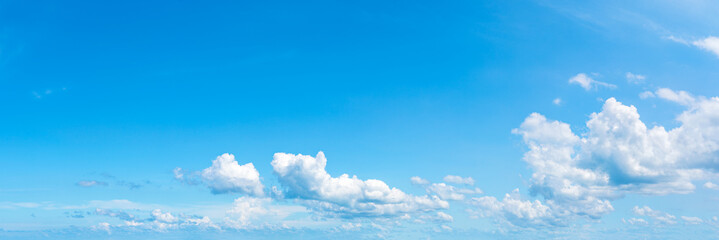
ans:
(104, 104)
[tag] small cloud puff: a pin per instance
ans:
(635, 78)
(227, 176)
(711, 185)
(458, 180)
(418, 180)
(557, 101)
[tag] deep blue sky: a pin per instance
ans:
(122, 93)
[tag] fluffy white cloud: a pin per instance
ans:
(619, 154)
(305, 178)
(680, 97)
(256, 213)
(459, 180)
(418, 180)
(164, 217)
(656, 215)
(710, 44)
(635, 78)
(246, 209)
(226, 175)
(587, 82)
(711, 185)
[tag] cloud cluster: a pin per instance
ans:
(449, 192)
(445, 191)
(253, 213)
(437, 217)
(656, 215)
(158, 220)
(635, 78)
(515, 211)
(227, 175)
(635, 221)
(619, 154)
(305, 178)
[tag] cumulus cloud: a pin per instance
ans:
(711, 185)
(710, 44)
(164, 217)
(459, 180)
(227, 176)
(418, 180)
(618, 155)
(587, 82)
(635, 78)
(245, 209)
(656, 215)
(680, 97)
(305, 178)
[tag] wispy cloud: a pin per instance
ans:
(458, 180)
(710, 44)
(44, 93)
(91, 183)
(635, 78)
(588, 83)
(656, 215)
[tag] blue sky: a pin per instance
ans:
(452, 120)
